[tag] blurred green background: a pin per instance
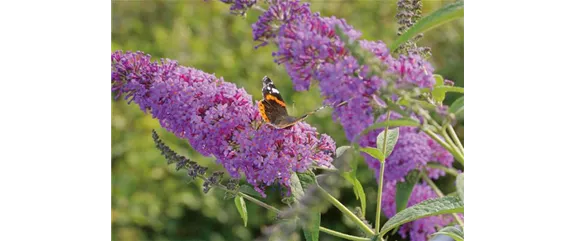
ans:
(150, 201)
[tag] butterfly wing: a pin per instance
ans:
(272, 107)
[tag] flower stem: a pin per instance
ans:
(450, 171)
(346, 211)
(455, 137)
(440, 194)
(322, 229)
(449, 144)
(342, 235)
(449, 141)
(381, 174)
(250, 198)
(457, 155)
(258, 8)
(260, 203)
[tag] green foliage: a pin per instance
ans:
(150, 201)
(249, 190)
(374, 152)
(392, 138)
(240, 205)
(404, 190)
(431, 207)
(437, 94)
(351, 177)
(299, 183)
(445, 14)
(457, 108)
(453, 232)
(377, 153)
(389, 123)
(340, 150)
(460, 186)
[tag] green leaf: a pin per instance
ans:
(404, 190)
(453, 194)
(460, 186)
(299, 183)
(437, 94)
(452, 232)
(361, 193)
(343, 160)
(240, 205)
(445, 89)
(457, 108)
(311, 229)
(357, 189)
(340, 150)
(390, 124)
(441, 16)
(347, 176)
(374, 152)
(426, 208)
(249, 190)
(395, 107)
(296, 187)
(392, 138)
(439, 80)
(351, 179)
(306, 178)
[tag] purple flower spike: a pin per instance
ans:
(280, 12)
(414, 70)
(420, 229)
(306, 44)
(218, 119)
(240, 6)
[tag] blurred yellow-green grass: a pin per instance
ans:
(150, 201)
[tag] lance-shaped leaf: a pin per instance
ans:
(240, 205)
(460, 186)
(431, 207)
(453, 232)
(392, 138)
(404, 190)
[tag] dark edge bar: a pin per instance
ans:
(107, 113)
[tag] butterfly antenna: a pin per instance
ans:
(323, 107)
(344, 102)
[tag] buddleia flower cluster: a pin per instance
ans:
(311, 50)
(218, 119)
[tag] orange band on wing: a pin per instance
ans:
(262, 111)
(273, 98)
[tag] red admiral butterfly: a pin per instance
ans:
(272, 107)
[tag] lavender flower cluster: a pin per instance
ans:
(218, 119)
(310, 50)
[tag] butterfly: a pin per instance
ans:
(273, 108)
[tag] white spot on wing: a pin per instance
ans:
(275, 91)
